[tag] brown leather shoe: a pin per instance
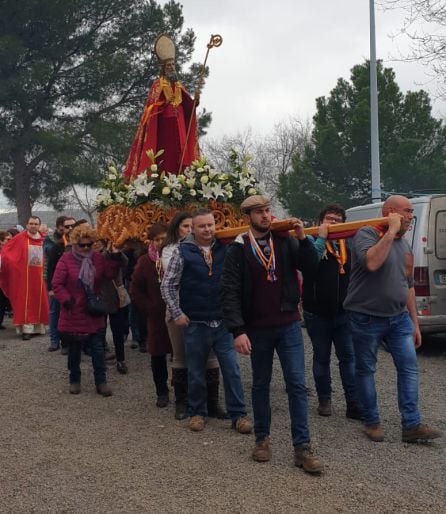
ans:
(304, 458)
(242, 425)
(262, 451)
(104, 390)
(420, 433)
(375, 433)
(324, 408)
(75, 388)
(197, 423)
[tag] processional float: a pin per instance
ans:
(130, 203)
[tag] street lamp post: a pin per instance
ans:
(374, 131)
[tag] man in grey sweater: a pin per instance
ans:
(381, 304)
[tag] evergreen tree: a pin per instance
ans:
(336, 165)
(73, 79)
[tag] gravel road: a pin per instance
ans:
(68, 454)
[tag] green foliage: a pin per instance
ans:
(73, 79)
(336, 165)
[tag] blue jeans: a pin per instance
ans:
(199, 339)
(288, 342)
(367, 333)
(325, 331)
(54, 318)
(96, 345)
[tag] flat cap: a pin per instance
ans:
(254, 202)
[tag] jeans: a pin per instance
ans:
(96, 345)
(367, 333)
(118, 322)
(325, 331)
(54, 318)
(199, 339)
(288, 342)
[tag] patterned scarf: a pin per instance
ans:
(154, 256)
(87, 270)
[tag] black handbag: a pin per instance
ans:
(95, 303)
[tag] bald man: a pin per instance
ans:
(381, 305)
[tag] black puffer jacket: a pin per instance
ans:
(236, 280)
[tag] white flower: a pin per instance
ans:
(111, 176)
(213, 173)
(243, 183)
(204, 179)
(200, 170)
(190, 182)
(252, 191)
(229, 194)
(172, 181)
(165, 190)
(153, 168)
(144, 189)
(154, 175)
(206, 192)
(217, 190)
(192, 192)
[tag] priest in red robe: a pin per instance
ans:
(164, 124)
(21, 279)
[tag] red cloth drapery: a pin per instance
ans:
(21, 279)
(164, 126)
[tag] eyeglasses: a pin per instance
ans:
(69, 226)
(85, 245)
(334, 219)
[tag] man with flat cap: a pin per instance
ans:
(260, 297)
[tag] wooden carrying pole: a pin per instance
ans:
(336, 230)
(215, 41)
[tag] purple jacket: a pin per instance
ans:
(66, 286)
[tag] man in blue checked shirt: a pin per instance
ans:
(191, 290)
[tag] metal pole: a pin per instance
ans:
(374, 130)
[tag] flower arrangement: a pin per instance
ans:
(199, 182)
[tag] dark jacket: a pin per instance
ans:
(325, 289)
(145, 294)
(236, 281)
(53, 253)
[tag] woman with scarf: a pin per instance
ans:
(145, 294)
(78, 271)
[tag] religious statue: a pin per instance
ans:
(168, 122)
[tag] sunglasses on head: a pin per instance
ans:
(85, 245)
(69, 226)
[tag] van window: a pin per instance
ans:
(409, 235)
(440, 235)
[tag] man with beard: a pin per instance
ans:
(164, 124)
(22, 280)
(260, 297)
(381, 305)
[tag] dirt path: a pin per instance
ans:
(61, 453)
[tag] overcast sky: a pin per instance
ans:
(278, 57)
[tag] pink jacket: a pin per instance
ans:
(66, 287)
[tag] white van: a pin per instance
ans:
(427, 236)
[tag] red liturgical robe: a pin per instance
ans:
(163, 126)
(21, 279)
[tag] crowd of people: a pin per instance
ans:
(201, 301)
